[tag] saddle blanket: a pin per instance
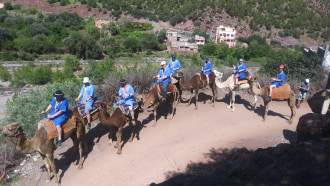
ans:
(81, 107)
(170, 87)
(203, 77)
(282, 92)
(50, 128)
(124, 108)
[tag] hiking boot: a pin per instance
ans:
(207, 86)
(88, 126)
(59, 143)
(133, 122)
(236, 85)
(298, 106)
(164, 99)
(269, 98)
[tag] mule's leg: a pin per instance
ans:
(75, 147)
(232, 101)
(291, 103)
(80, 166)
(255, 101)
(53, 167)
(196, 99)
(230, 98)
(110, 134)
(119, 134)
(191, 93)
(133, 132)
(266, 109)
(155, 113)
(213, 94)
(47, 165)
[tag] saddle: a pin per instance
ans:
(203, 77)
(170, 87)
(247, 75)
(50, 128)
(81, 107)
(124, 108)
(282, 92)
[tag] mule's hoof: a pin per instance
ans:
(48, 180)
(80, 167)
(116, 146)
(119, 152)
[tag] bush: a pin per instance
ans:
(4, 73)
(35, 101)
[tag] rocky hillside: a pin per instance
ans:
(208, 23)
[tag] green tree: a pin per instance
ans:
(72, 62)
(93, 30)
(4, 36)
(132, 43)
(4, 73)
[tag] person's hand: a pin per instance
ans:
(84, 102)
(76, 99)
(49, 116)
(43, 112)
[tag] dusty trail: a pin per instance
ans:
(172, 144)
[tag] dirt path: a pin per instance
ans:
(172, 144)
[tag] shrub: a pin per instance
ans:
(35, 101)
(4, 73)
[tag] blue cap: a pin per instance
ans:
(173, 56)
(207, 57)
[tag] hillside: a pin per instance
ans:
(207, 19)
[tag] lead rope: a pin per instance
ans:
(4, 169)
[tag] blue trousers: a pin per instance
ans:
(165, 84)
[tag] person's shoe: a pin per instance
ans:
(236, 85)
(164, 99)
(207, 86)
(59, 143)
(133, 122)
(298, 106)
(88, 126)
(269, 98)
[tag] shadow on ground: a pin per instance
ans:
(303, 162)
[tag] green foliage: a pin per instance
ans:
(93, 30)
(97, 71)
(72, 62)
(84, 47)
(7, 6)
(148, 52)
(26, 108)
(132, 43)
(161, 36)
(296, 65)
(4, 36)
(4, 73)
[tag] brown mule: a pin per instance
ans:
(154, 97)
(42, 144)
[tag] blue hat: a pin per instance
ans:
(173, 57)
(207, 57)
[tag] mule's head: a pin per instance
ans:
(217, 74)
(152, 97)
(12, 129)
(253, 78)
